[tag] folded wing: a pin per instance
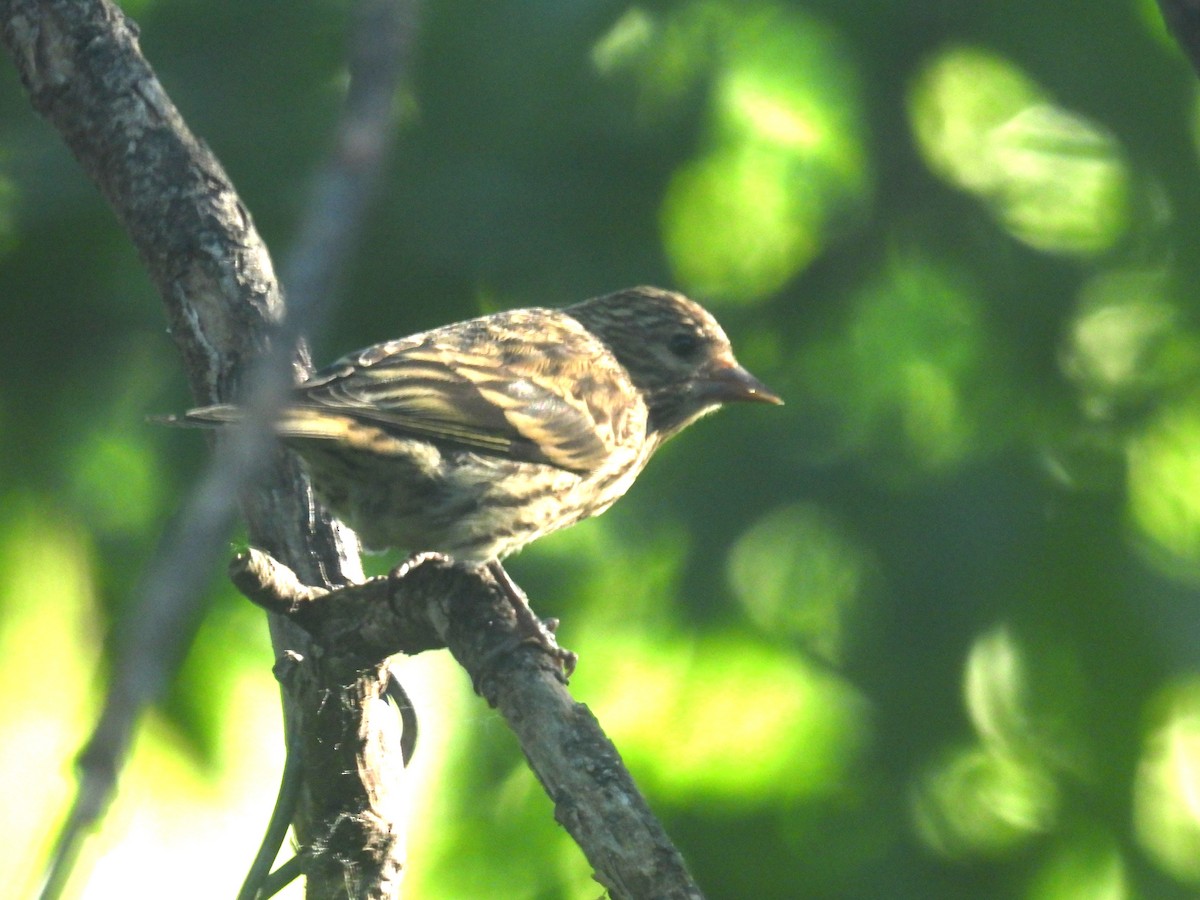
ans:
(554, 396)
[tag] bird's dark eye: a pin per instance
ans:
(684, 345)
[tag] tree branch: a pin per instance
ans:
(81, 65)
(83, 70)
(433, 602)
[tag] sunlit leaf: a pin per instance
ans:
(1167, 789)
(976, 803)
(913, 374)
(1164, 487)
(799, 575)
(1054, 179)
(1083, 867)
(681, 710)
(1023, 697)
(1127, 340)
(782, 159)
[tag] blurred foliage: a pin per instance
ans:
(932, 630)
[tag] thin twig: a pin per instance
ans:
(277, 827)
(84, 72)
(380, 46)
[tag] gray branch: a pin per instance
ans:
(84, 72)
(80, 63)
(432, 602)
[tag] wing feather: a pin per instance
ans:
(530, 385)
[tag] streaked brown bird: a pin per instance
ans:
(476, 438)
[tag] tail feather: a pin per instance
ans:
(201, 417)
(220, 414)
(293, 421)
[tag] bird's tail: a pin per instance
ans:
(293, 421)
(202, 417)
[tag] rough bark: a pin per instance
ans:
(432, 602)
(80, 63)
(84, 72)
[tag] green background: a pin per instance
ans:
(931, 630)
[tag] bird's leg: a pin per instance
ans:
(531, 628)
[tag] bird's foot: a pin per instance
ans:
(530, 628)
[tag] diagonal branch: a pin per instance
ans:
(83, 70)
(432, 602)
(81, 65)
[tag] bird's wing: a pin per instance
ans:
(528, 385)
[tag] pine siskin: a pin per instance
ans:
(476, 438)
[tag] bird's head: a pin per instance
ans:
(675, 352)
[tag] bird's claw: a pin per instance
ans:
(543, 637)
(531, 629)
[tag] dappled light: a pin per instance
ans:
(733, 224)
(991, 795)
(929, 631)
(1023, 697)
(1127, 340)
(1164, 488)
(665, 56)
(1064, 186)
(105, 457)
(1167, 788)
(48, 609)
(801, 577)
(975, 802)
(1083, 866)
(1054, 179)
(604, 557)
(218, 813)
(780, 162)
(795, 731)
(911, 373)
(51, 625)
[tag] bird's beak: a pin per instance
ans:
(730, 383)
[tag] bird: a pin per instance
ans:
(476, 438)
